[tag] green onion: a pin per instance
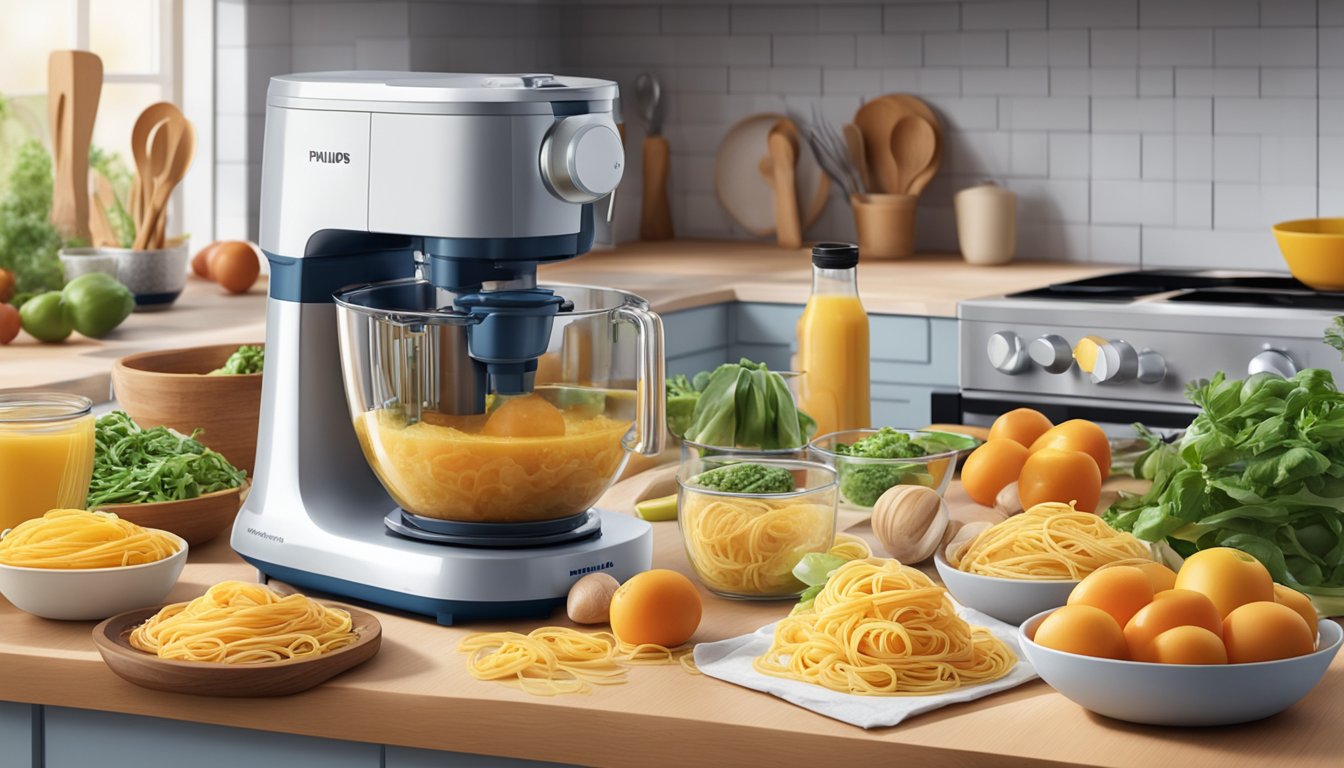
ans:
(140, 466)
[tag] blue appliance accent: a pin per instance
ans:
(312, 280)
(445, 612)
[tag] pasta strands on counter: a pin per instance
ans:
(70, 539)
(1049, 541)
(550, 661)
(879, 628)
(239, 623)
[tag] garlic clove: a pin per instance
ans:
(589, 600)
(1007, 502)
(910, 521)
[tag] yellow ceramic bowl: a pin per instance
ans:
(1314, 250)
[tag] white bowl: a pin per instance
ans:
(91, 594)
(1010, 600)
(156, 277)
(1180, 694)
(81, 261)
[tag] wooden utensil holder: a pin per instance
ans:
(885, 224)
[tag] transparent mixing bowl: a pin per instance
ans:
(414, 396)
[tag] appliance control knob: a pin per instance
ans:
(1152, 368)
(1275, 361)
(582, 159)
(1116, 361)
(1007, 353)
(1052, 353)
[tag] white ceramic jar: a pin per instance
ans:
(986, 224)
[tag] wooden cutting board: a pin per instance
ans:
(74, 85)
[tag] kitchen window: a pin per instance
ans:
(146, 58)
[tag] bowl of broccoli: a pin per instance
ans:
(868, 462)
(747, 521)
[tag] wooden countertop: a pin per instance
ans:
(417, 693)
(672, 275)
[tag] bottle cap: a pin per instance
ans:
(835, 255)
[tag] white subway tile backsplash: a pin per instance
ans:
(392, 54)
(937, 81)
(231, 81)
(1070, 81)
(1109, 244)
(780, 80)
(1330, 13)
(860, 82)
(1120, 81)
(966, 49)
(701, 79)
(1282, 47)
(1021, 81)
(1055, 47)
(231, 24)
(1070, 156)
(1053, 200)
(1207, 81)
(1115, 48)
(1026, 113)
(694, 20)
(1199, 13)
(1194, 204)
(1159, 156)
(1194, 157)
(267, 24)
(966, 114)
(921, 17)
(1331, 162)
(1133, 115)
(1193, 115)
(889, 50)
(812, 50)
(1157, 81)
(1287, 81)
(774, 19)
(1116, 156)
(1175, 47)
(1331, 117)
(1238, 206)
(980, 153)
(1133, 202)
(1083, 14)
(334, 23)
(467, 19)
(1287, 161)
(1287, 13)
(849, 18)
(1171, 248)
(1236, 158)
(1004, 14)
(1331, 46)
(1279, 117)
(1030, 154)
(731, 50)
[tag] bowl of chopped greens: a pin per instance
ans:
(868, 462)
(160, 478)
(747, 521)
(213, 392)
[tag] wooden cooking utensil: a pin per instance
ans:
(141, 136)
(746, 193)
(181, 148)
(74, 85)
(655, 220)
(782, 142)
(857, 158)
(913, 144)
(876, 119)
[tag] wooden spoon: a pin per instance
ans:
(783, 145)
(74, 86)
(854, 148)
(141, 132)
(913, 143)
(181, 148)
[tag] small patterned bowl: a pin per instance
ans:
(81, 261)
(156, 277)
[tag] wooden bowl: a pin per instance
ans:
(197, 520)
(203, 678)
(170, 387)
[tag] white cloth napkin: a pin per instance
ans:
(731, 659)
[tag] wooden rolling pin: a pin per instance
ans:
(74, 85)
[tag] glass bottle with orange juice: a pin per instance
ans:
(834, 387)
(46, 454)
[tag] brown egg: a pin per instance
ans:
(234, 265)
(200, 263)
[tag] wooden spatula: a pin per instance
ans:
(141, 135)
(74, 85)
(913, 143)
(181, 148)
(783, 145)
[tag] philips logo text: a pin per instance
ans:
(267, 536)
(328, 157)
(592, 568)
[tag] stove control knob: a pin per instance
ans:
(1007, 353)
(1152, 368)
(1116, 361)
(582, 159)
(1275, 361)
(1052, 353)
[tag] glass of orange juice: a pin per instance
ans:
(46, 454)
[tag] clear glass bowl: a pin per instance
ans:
(745, 545)
(46, 454)
(691, 451)
(863, 480)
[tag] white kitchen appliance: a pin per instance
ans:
(404, 216)
(1155, 330)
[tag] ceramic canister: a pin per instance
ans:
(986, 223)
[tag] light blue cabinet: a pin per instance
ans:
(401, 757)
(912, 357)
(18, 734)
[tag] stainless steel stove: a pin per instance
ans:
(1149, 333)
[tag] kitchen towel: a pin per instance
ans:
(731, 659)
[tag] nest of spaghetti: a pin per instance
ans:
(879, 628)
(1049, 542)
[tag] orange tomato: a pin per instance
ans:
(1084, 630)
(1170, 609)
(1186, 645)
(1298, 602)
(1160, 576)
(1228, 577)
(526, 416)
(990, 467)
(9, 323)
(1022, 425)
(1265, 631)
(657, 606)
(1055, 475)
(1121, 592)
(1078, 435)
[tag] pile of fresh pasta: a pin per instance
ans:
(75, 539)
(1050, 541)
